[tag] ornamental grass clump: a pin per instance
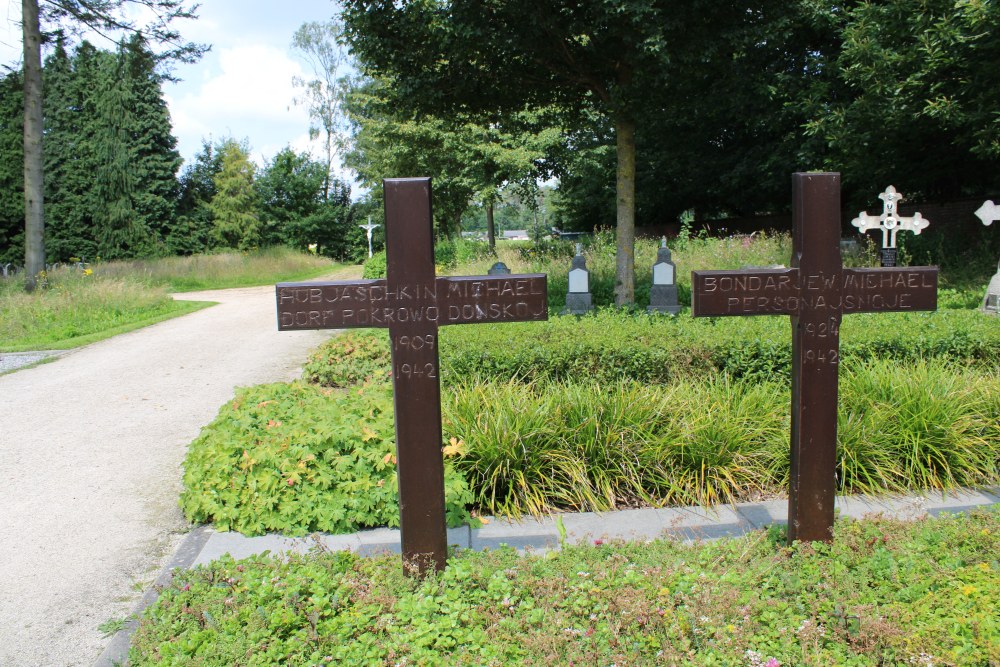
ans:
(918, 426)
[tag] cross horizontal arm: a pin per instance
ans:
(447, 300)
(753, 292)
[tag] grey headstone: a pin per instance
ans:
(578, 298)
(663, 294)
(498, 269)
(991, 302)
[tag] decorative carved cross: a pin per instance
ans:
(816, 291)
(412, 303)
(369, 228)
(988, 212)
(890, 223)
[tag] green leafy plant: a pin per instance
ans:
(885, 592)
(297, 458)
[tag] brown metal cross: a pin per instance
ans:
(412, 303)
(816, 292)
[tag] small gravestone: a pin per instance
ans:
(663, 293)
(989, 213)
(889, 223)
(578, 298)
(499, 269)
(816, 292)
(412, 303)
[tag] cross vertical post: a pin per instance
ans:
(409, 245)
(815, 356)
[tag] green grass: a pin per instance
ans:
(220, 270)
(884, 593)
(115, 297)
(76, 310)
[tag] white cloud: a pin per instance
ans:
(244, 91)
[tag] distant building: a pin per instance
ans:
(515, 235)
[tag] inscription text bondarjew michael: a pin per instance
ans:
(787, 292)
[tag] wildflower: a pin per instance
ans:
(772, 662)
(968, 589)
(598, 542)
(984, 567)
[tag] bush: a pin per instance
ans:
(375, 266)
(594, 447)
(295, 458)
(612, 345)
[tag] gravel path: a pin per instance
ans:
(90, 453)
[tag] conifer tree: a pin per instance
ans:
(11, 169)
(234, 206)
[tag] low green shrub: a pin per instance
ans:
(612, 345)
(885, 592)
(296, 458)
(375, 266)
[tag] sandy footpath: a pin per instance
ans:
(91, 447)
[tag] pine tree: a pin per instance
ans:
(69, 160)
(193, 231)
(153, 156)
(11, 169)
(234, 205)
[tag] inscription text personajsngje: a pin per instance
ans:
(815, 292)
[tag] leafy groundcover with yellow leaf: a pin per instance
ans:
(297, 458)
(884, 593)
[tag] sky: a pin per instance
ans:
(242, 88)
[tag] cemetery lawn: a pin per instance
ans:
(885, 592)
(78, 308)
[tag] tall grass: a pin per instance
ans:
(220, 270)
(536, 447)
(77, 309)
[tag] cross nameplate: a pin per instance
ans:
(412, 303)
(815, 292)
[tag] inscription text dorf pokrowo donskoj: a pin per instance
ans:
(412, 303)
(815, 292)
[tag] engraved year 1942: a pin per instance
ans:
(817, 334)
(413, 369)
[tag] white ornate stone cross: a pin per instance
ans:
(988, 212)
(889, 223)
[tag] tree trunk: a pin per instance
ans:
(34, 219)
(625, 233)
(491, 232)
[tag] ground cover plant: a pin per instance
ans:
(297, 458)
(621, 409)
(885, 592)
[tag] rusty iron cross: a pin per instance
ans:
(412, 303)
(815, 292)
